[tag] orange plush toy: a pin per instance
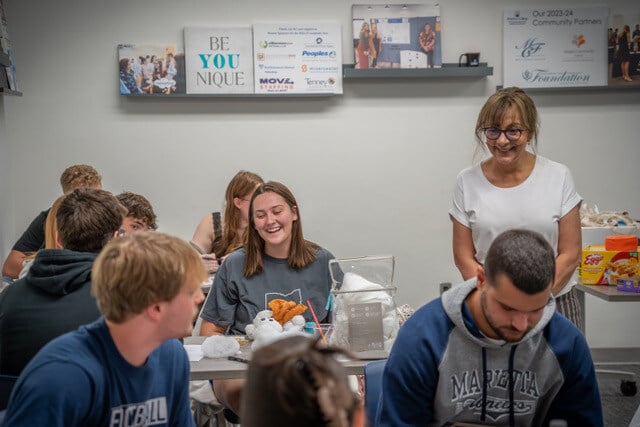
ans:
(284, 310)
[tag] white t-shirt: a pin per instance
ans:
(536, 204)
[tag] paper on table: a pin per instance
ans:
(194, 351)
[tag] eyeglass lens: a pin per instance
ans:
(494, 133)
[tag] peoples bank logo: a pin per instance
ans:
(531, 47)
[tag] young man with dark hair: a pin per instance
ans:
(493, 351)
(140, 214)
(76, 176)
(54, 297)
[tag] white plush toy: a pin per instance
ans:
(265, 329)
(220, 346)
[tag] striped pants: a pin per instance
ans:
(568, 306)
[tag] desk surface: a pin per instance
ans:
(608, 293)
(222, 368)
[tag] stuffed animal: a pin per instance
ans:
(284, 311)
(265, 329)
(220, 346)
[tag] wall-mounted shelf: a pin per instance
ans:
(612, 88)
(229, 95)
(447, 70)
(5, 91)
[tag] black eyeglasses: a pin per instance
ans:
(494, 133)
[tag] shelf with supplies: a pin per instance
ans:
(447, 70)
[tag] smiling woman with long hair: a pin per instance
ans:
(275, 263)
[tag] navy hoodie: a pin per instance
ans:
(52, 299)
(441, 370)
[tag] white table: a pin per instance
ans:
(223, 368)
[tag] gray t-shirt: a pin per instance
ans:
(237, 299)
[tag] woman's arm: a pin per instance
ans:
(203, 236)
(464, 253)
(569, 248)
(209, 328)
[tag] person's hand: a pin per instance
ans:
(210, 262)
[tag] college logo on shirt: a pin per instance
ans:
(149, 413)
(466, 388)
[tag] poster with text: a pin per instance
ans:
(218, 60)
(397, 36)
(555, 47)
(297, 58)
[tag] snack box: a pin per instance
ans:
(629, 285)
(602, 267)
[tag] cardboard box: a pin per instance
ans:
(602, 267)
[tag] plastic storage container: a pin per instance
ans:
(365, 319)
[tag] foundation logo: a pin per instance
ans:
(546, 76)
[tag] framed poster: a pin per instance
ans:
(297, 58)
(218, 60)
(150, 69)
(397, 36)
(623, 46)
(553, 47)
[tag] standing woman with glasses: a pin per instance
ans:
(514, 187)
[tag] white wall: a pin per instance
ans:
(373, 170)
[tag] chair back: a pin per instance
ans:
(6, 385)
(373, 387)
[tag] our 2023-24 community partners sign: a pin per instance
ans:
(554, 47)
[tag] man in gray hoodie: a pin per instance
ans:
(493, 350)
(55, 296)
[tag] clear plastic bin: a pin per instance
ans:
(365, 319)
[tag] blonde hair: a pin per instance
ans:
(139, 269)
(240, 186)
(78, 176)
(51, 226)
(503, 102)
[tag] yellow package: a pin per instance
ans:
(602, 267)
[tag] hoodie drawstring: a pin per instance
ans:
(512, 417)
(484, 385)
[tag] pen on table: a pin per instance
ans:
(239, 359)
